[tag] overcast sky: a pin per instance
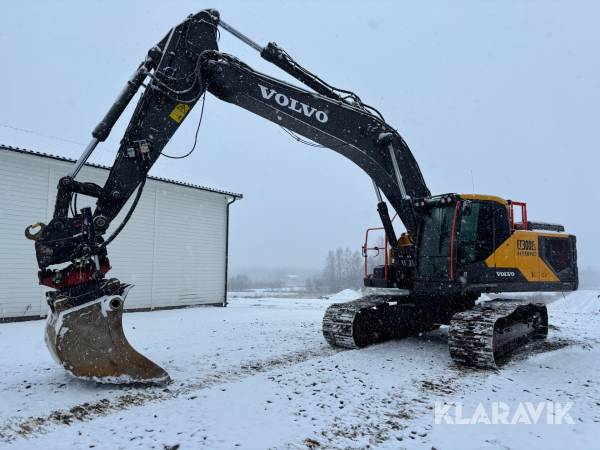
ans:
(504, 96)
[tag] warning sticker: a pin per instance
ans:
(179, 112)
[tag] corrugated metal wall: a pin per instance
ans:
(172, 249)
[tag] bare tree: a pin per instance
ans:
(343, 270)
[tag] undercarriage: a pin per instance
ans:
(478, 335)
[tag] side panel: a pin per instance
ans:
(522, 251)
(528, 261)
(504, 256)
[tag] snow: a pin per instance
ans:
(258, 374)
(345, 295)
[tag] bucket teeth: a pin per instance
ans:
(89, 342)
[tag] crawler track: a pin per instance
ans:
(372, 319)
(480, 336)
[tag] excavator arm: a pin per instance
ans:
(175, 87)
(84, 330)
(348, 129)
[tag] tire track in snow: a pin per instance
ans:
(396, 419)
(30, 426)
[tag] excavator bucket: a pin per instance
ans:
(89, 342)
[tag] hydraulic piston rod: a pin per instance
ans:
(279, 57)
(103, 129)
(241, 36)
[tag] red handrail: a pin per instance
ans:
(511, 215)
(366, 248)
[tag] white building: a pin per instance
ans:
(174, 248)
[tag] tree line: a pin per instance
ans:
(343, 268)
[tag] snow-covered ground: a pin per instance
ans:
(258, 374)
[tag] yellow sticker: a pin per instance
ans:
(179, 112)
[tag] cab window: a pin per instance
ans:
(434, 249)
(483, 227)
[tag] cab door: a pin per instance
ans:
(435, 236)
(483, 228)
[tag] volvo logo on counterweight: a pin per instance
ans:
(293, 104)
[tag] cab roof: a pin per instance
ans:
(491, 198)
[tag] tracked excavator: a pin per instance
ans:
(455, 246)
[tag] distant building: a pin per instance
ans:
(174, 248)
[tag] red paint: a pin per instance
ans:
(511, 214)
(366, 248)
(72, 277)
(452, 239)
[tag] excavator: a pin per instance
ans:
(455, 248)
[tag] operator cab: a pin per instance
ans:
(458, 231)
(475, 243)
